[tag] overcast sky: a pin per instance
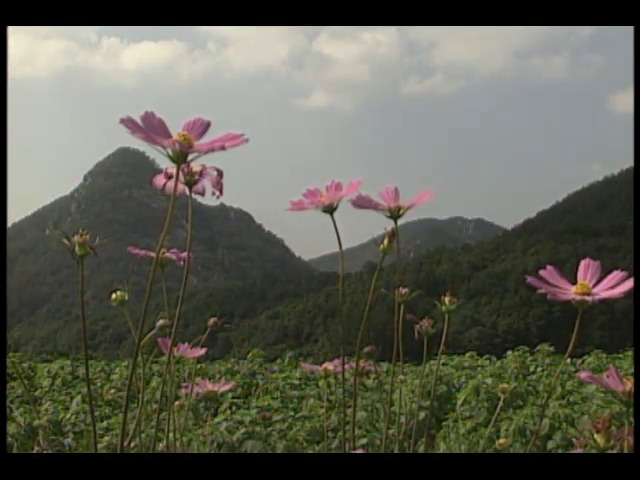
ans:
(500, 122)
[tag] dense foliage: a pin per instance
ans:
(278, 407)
(274, 301)
(498, 310)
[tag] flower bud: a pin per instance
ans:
(448, 303)
(118, 297)
(388, 241)
(163, 323)
(502, 443)
(402, 294)
(214, 322)
(504, 388)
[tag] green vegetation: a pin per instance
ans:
(418, 237)
(278, 407)
(274, 301)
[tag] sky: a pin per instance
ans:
(500, 122)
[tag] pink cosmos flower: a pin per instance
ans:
(391, 206)
(327, 201)
(193, 176)
(182, 349)
(589, 288)
(153, 130)
(174, 255)
(359, 450)
(202, 386)
(610, 380)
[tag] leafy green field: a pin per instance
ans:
(279, 407)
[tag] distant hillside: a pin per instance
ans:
(418, 237)
(116, 202)
(498, 310)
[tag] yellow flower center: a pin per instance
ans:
(582, 288)
(185, 139)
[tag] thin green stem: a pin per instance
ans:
(168, 370)
(493, 420)
(545, 404)
(387, 415)
(341, 329)
(365, 315)
(325, 420)
(420, 391)
(85, 347)
(143, 314)
(192, 378)
(395, 339)
(164, 294)
(434, 383)
(400, 402)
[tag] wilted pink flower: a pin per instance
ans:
(174, 255)
(154, 131)
(610, 380)
(335, 366)
(588, 289)
(193, 176)
(182, 349)
(391, 206)
(202, 386)
(422, 328)
(327, 201)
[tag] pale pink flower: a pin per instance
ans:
(173, 255)
(195, 177)
(589, 288)
(610, 380)
(153, 130)
(204, 387)
(182, 349)
(327, 201)
(391, 206)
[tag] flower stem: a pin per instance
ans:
(365, 314)
(341, 330)
(434, 383)
(395, 340)
(420, 389)
(493, 420)
(192, 378)
(168, 367)
(325, 422)
(85, 347)
(145, 306)
(164, 294)
(400, 402)
(545, 404)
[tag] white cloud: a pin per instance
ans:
(622, 101)
(335, 67)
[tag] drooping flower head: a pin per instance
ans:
(182, 349)
(588, 289)
(153, 130)
(327, 201)
(335, 366)
(173, 255)
(391, 206)
(610, 380)
(203, 387)
(193, 177)
(422, 328)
